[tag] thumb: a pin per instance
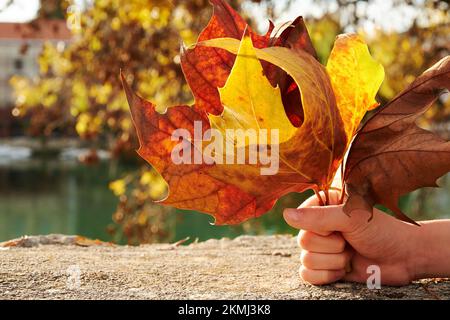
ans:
(325, 219)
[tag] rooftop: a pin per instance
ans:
(35, 30)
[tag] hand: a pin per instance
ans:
(332, 242)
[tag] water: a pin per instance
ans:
(42, 196)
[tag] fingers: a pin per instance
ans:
(324, 254)
(320, 277)
(310, 241)
(324, 268)
(325, 261)
(324, 219)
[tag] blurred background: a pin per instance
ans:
(67, 146)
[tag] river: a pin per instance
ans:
(42, 196)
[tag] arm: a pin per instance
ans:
(432, 241)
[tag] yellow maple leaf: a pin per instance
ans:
(249, 100)
(355, 77)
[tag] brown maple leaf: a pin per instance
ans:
(391, 155)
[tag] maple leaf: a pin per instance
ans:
(355, 77)
(259, 84)
(249, 100)
(293, 35)
(391, 155)
(207, 69)
(309, 155)
(322, 122)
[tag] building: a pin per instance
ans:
(20, 46)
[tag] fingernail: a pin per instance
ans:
(291, 214)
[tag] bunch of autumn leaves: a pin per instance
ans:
(242, 80)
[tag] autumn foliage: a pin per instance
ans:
(242, 80)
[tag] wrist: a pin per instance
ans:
(418, 253)
(429, 254)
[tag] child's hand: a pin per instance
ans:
(332, 242)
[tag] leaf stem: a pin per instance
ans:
(319, 197)
(327, 197)
(341, 198)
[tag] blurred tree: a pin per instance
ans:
(141, 37)
(52, 9)
(79, 89)
(137, 219)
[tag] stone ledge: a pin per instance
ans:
(247, 267)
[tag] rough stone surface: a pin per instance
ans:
(244, 268)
